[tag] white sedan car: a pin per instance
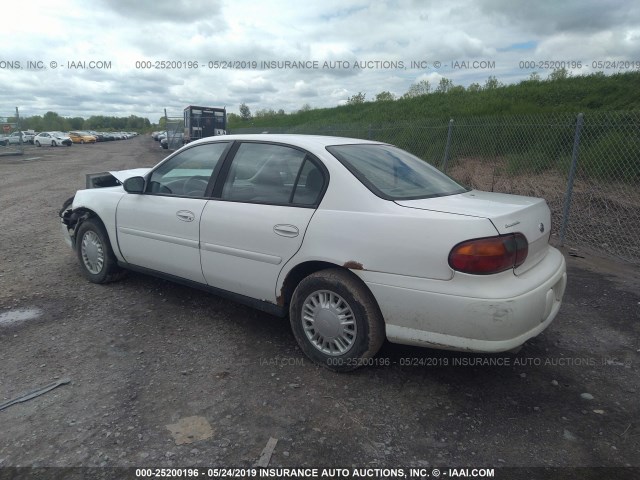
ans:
(20, 137)
(356, 241)
(53, 139)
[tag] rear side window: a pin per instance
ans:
(273, 174)
(393, 174)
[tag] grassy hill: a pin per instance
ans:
(530, 125)
(573, 94)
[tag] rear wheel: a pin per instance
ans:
(94, 251)
(336, 320)
(38, 143)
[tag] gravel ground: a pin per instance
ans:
(144, 354)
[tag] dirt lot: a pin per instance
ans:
(144, 353)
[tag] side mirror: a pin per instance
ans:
(134, 185)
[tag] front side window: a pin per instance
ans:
(187, 173)
(392, 173)
(266, 173)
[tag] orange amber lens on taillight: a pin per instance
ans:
(484, 256)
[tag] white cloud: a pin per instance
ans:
(244, 31)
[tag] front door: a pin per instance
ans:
(160, 228)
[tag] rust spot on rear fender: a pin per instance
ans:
(353, 265)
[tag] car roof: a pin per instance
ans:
(303, 141)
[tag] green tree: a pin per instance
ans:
(492, 83)
(245, 112)
(444, 86)
(33, 123)
(53, 121)
(385, 97)
(356, 99)
(76, 123)
(474, 87)
(559, 74)
(423, 87)
(265, 113)
(534, 77)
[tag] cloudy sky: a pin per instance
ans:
(341, 47)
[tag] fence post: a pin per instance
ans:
(19, 128)
(445, 159)
(572, 175)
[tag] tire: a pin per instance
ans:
(324, 297)
(38, 143)
(97, 261)
(82, 142)
(54, 144)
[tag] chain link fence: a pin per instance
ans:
(587, 167)
(175, 131)
(11, 142)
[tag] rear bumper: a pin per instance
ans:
(472, 313)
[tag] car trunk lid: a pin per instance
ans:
(508, 214)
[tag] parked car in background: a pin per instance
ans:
(81, 137)
(52, 139)
(177, 141)
(28, 136)
(4, 141)
(16, 137)
(98, 135)
(354, 240)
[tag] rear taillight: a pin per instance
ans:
(484, 256)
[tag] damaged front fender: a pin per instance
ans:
(70, 220)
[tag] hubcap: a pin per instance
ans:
(92, 252)
(329, 322)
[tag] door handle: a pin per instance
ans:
(185, 215)
(286, 230)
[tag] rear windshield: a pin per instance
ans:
(394, 174)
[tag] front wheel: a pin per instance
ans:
(38, 143)
(96, 257)
(336, 320)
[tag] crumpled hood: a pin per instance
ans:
(122, 175)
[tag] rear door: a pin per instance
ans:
(259, 220)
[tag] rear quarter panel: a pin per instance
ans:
(354, 228)
(398, 240)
